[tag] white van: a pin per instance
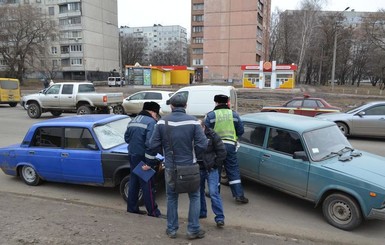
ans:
(115, 81)
(200, 99)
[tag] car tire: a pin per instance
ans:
(83, 110)
(13, 104)
(124, 186)
(56, 113)
(342, 211)
(343, 127)
(34, 110)
(224, 179)
(29, 175)
(118, 110)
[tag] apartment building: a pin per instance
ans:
(158, 37)
(226, 34)
(87, 46)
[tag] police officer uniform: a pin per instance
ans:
(229, 126)
(138, 135)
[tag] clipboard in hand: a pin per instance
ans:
(143, 174)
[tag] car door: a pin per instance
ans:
(134, 103)
(250, 152)
(67, 98)
(44, 153)
(278, 168)
(310, 108)
(51, 98)
(293, 107)
(81, 159)
(370, 122)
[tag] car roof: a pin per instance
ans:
(159, 91)
(80, 120)
(292, 122)
(205, 87)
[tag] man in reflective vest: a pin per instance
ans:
(228, 125)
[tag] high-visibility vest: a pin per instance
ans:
(224, 124)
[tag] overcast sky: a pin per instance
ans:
(177, 12)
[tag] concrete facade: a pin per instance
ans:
(158, 37)
(226, 34)
(87, 46)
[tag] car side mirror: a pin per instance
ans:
(167, 102)
(300, 155)
(361, 113)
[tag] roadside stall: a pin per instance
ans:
(269, 75)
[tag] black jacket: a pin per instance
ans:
(215, 153)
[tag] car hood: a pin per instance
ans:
(334, 115)
(367, 167)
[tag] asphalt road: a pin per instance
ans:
(269, 212)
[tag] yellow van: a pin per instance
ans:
(9, 91)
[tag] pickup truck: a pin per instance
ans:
(70, 97)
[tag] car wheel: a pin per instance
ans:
(118, 110)
(343, 127)
(82, 110)
(34, 110)
(13, 104)
(342, 211)
(56, 113)
(124, 186)
(29, 175)
(224, 179)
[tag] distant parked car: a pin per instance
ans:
(306, 106)
(311, 159)
(116, 82)
(133, 104)
(365, 120)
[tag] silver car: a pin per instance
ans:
(133, 104)
(365, 120)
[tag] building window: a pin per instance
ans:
(54, 63)
(76, 62)
(198, 51)
(259, 46)
(198, 18)
(197, 62)
(64, 49)
(54, 50)
(76, 48)
(197, 39)
(198, 6)
(51, 11)
(38, 1)
(197, 29)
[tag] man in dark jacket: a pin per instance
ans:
(229, 126)
(138, 135)
(181, 140)
(209, 162)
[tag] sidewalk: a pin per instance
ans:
(31, 220)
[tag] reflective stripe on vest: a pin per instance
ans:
(224, 124)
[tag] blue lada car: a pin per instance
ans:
(84, 149)
(311, 159)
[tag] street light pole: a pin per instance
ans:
(335, 51)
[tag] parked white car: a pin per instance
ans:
(133, 104)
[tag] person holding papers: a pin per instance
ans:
(142, 160)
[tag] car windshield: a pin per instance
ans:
(112, 133)
(325, 142)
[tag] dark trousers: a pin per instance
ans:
(137, 183)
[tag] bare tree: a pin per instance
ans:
(133, 49)
(25, 32)
(174, 54)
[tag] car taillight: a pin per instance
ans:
(104, 98)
